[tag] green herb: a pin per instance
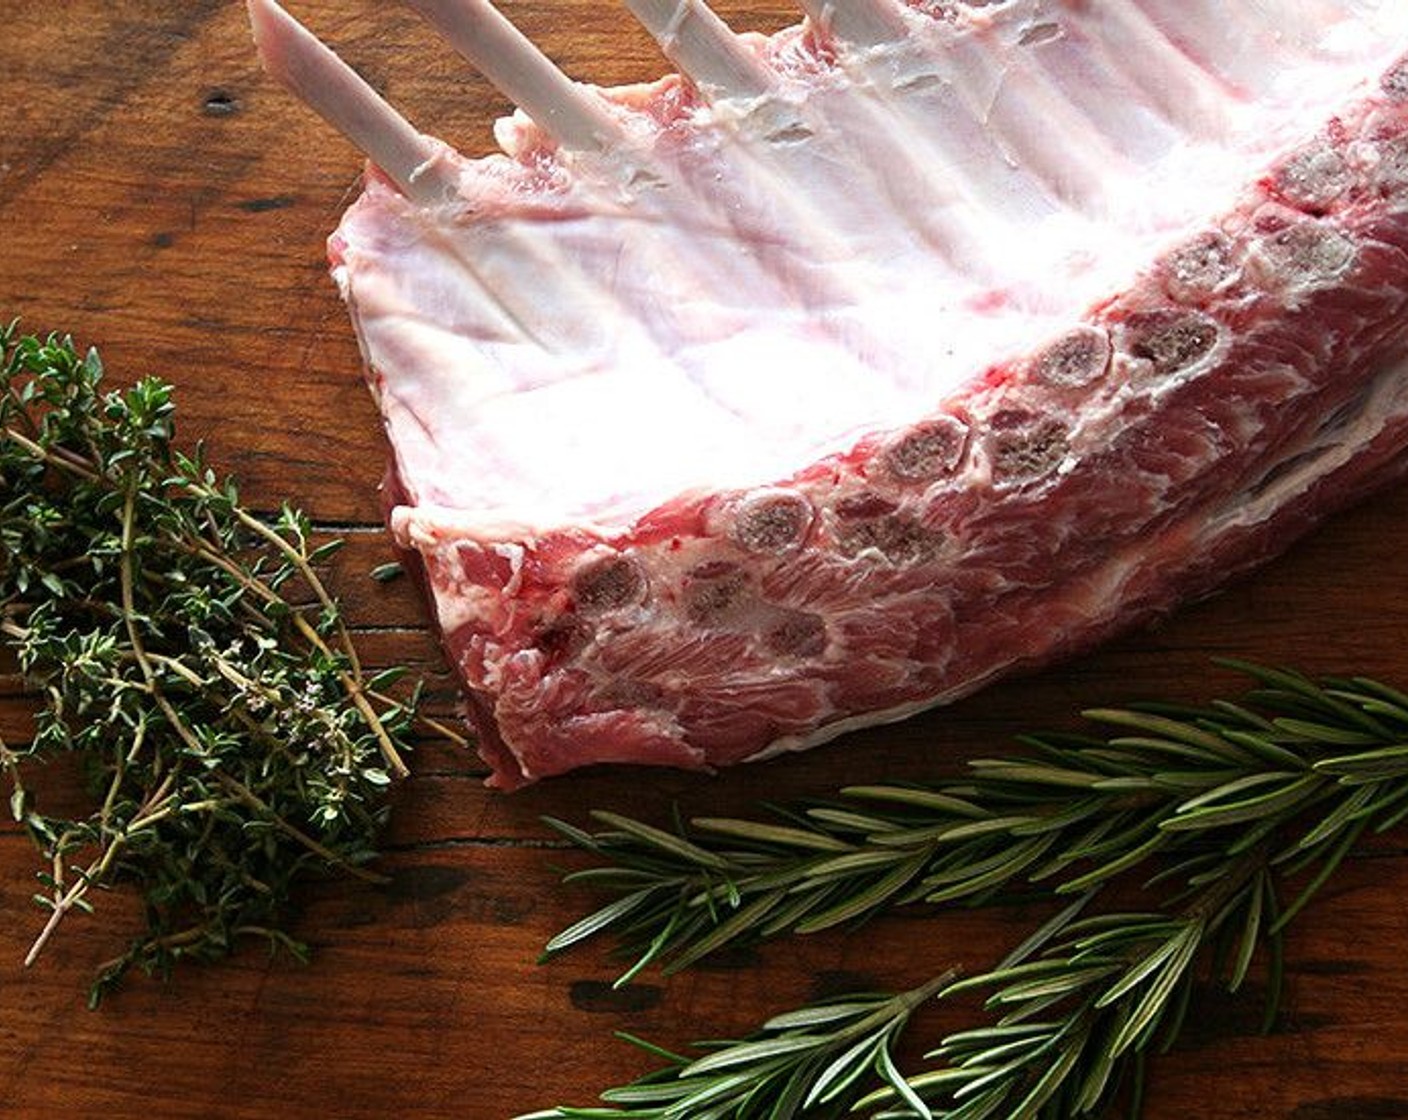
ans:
(1221, 810)
(385, 573)
(187, 652)
(817, 1059)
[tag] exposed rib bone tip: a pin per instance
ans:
(942, 357)
(703, 46)
(861, 23)
(298, 60)
(572, 114)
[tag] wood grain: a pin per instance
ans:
(159, 198)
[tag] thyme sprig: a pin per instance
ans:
(1220, 810)
(190, 656)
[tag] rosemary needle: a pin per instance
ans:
(1220, 811)
(815, 1061)
(188, 653)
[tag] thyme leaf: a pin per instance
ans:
(190, 656)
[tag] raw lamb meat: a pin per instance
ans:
(917, 344)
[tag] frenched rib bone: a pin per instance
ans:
(857, 365)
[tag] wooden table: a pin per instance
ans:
(160, 198)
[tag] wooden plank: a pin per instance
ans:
(424, 996)
(160, 198)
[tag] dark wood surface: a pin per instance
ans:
(161, 199)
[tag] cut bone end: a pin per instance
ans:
(310, 70)
(861, 23)
(704, 48)
(570, 113)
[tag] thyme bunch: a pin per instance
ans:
(1234, 815)
(188, 654)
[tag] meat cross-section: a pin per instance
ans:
(869, 360)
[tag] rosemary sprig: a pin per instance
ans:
(817, 1061)
(189, 654)
(1075, 811)
(1076, 1020)
(1220, 809)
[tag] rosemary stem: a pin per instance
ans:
(900, 1006)
(1214, 809)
